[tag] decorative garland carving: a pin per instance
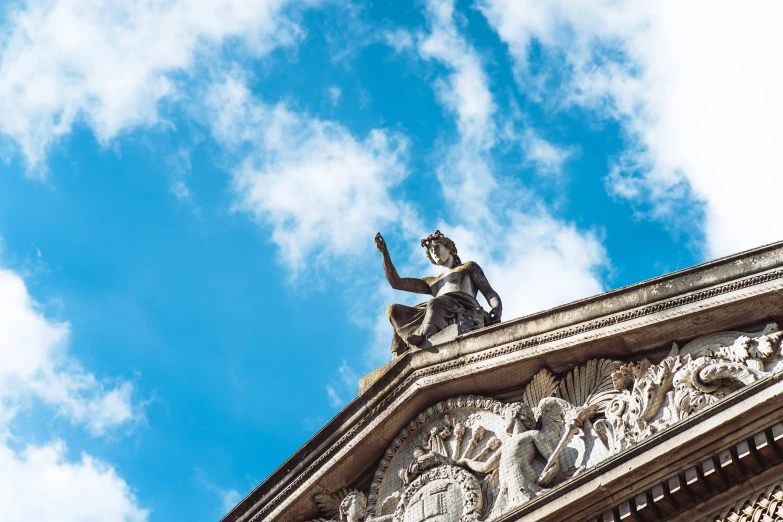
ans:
(652, 397)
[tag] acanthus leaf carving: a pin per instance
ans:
(704, 371)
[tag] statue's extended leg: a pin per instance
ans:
(418, 338)
(438, 312)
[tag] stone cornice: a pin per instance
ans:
(740, 289)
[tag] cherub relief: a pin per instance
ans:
(344, 506)
(518, 478)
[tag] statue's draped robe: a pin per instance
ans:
(440, 312)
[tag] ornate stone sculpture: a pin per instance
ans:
(472, 458)
(448, 493)
(704, 371)
(514, 462)
(454, 295)
(344, 506)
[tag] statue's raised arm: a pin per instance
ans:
(454, 295)
(407, 284)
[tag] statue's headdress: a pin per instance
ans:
(437, 237)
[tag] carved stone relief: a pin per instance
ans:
(443, 494)
(346, 505)
(652, 397)
(473, 458)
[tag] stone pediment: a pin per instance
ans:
(568, 414)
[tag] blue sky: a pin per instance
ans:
(188, 283)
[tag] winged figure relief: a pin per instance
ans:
(544, 430)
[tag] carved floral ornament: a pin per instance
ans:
(473, 458)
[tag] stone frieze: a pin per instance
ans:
(474, 458)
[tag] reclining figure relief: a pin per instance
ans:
(453, 295)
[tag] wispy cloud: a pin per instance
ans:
(323, 191)
(226, 498)
(346, 381)
(466, 174)
(38, 480)
(335, 401)
(546, 158)
(180, 168)
(534, 259)
(702, 113)
(334, 95)
(109, 65)
(36, 364)
(230, 499)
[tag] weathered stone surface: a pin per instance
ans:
(765, 505)
(633, 405)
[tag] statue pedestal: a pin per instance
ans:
(467, 321)
(447, 334)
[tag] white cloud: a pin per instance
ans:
(533, 259)
(109, 64)
(230, 499)
(466, 174)
(324, 192)
(347, 381)
(335, 401)
(39, 483)
(180, 190)
(545, 157)
(535, 262)
(696, 86)
(334, 95)
(398, 39)
(36, 364)
(179, 168)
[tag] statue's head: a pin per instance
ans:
(353, 508)
(519, 417)
(440, 249)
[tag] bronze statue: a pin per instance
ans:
(454, 295)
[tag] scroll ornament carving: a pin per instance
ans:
(652, 397)
(472, 458)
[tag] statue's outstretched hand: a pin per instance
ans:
(380, 243)
(495, 313)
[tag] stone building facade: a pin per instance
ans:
(658, 401)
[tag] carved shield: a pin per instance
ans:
(443, 494)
